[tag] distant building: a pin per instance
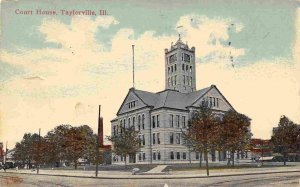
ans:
(1, 153)
(160, 117)
(260, 148)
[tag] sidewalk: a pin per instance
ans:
(174, 175)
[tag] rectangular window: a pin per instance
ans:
(171, 138)
(175, 78)
(178, 155)
(158, 156)
(143, 138)
(182, 56)
(140, 140)
(140, 156)
(210, 101)
(177, 121)
(154, 156)
(172, 155)
(139, 122)
(188, 80)
(153, 121)
(157, 120)
(153, 139)
(171, 120)
(177, 138)
(158, 139)
(184, 155)
(171, 81)
(183, 79)
(183, 67)
(114, 131)
(217, 102)
(133, 122)
(143, 121)
(144, 156)
(214, 102)
(183, 121)
(191, 80)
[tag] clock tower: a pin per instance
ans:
(180, 67)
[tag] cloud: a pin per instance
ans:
(82, 73)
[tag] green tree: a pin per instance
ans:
(284, 138)
(200, 132)
(233, 133)
(126, 143)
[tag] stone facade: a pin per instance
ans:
(161, 117)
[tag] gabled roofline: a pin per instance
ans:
(130, 90)
(202, 95)
(224, 97)
(211, 87)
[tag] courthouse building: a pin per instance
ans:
(160, 117)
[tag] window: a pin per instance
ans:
(182, 56)
(197, 156)
(171, 138)
(168, 70)
(186, 68)
(188, 80)
(139, 122)
(158, 155)
(183, 121)
(153, 121)
(157, 120)
(177, 138)
(183, 79)
(173, 58)
(178, 155)
(172, 81)
(187, 58)
(144, 156)
(154, 156)
(217, 102)
(133, 122)
(175, 67)
(143, 139)
(153, 139)
(191, 80)
(171, 120)
(143, 121)
(210, 101)
(175, 79)
(114, 131)
(128, 122)
(158, 139)
(172, 155)
(140, 156)
(177, 121)
(184, 155)
(140, 140)
(190, 69)
(172, 69)
(121, 127)
(182, 67)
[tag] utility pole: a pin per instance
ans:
(97, 143)
(38, 156)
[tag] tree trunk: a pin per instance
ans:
(75, 164)
(207, 168)
(232, 157)
(228, 159)
(201, 159)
